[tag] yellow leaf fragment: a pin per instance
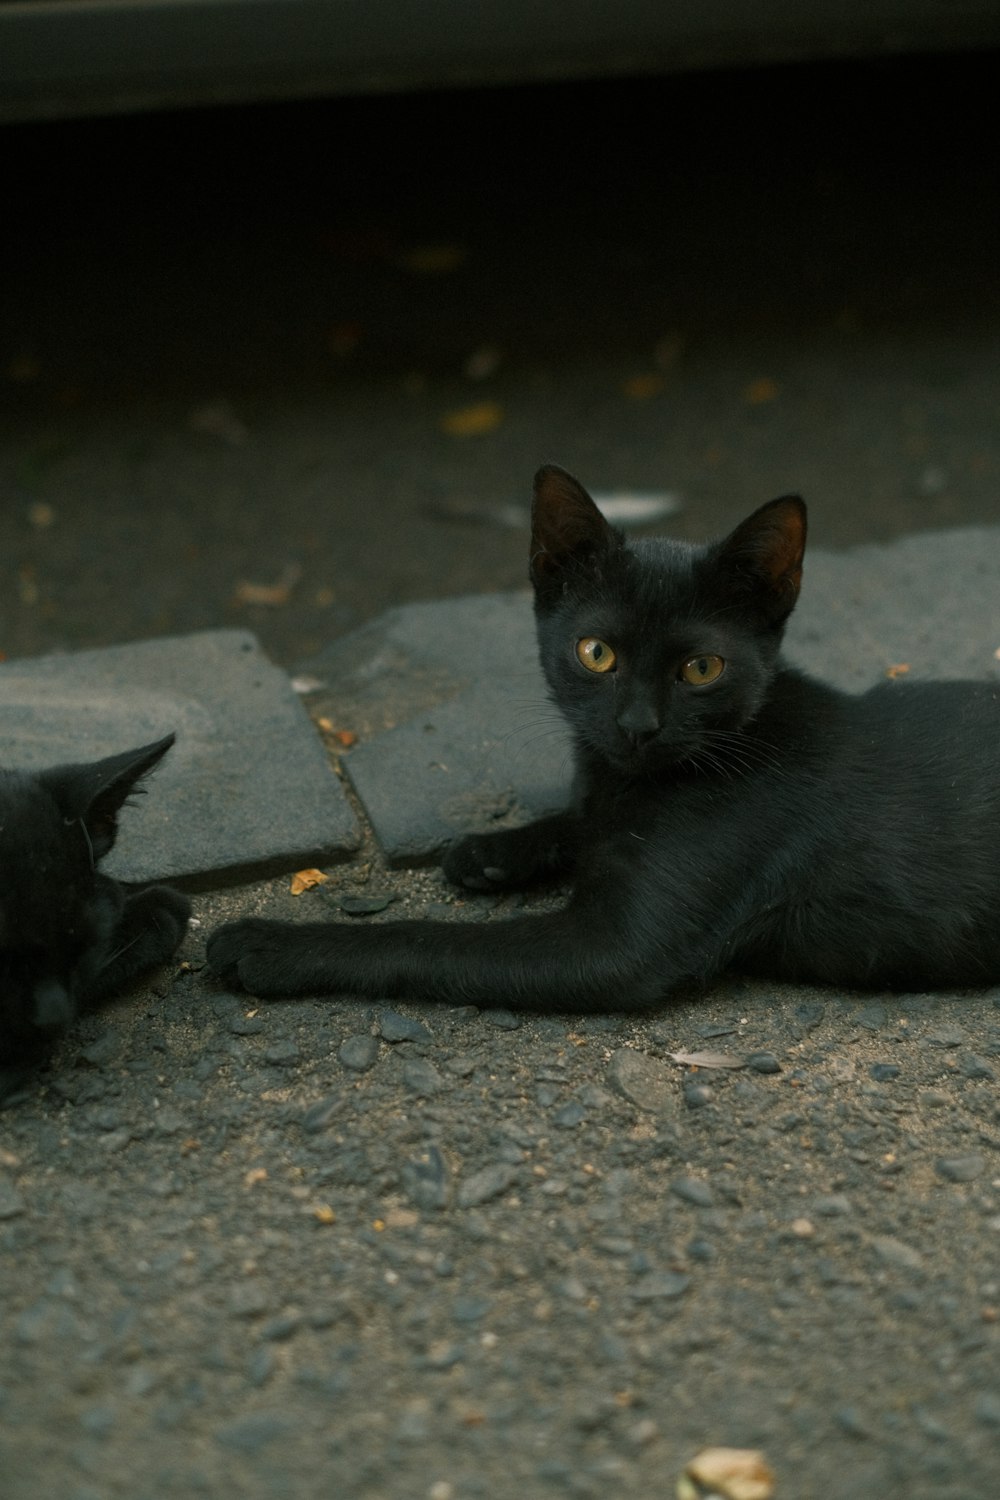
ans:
(473, 421)
(324, 1214)
(271, 595)
(304, 880)
(900, 669)
(732, 1473)
(255, 1175)
(760, 392)
(642, 387)
(433, 260)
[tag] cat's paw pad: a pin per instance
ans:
(472, 863)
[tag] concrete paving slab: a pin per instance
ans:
(457, 731)
(247, 789)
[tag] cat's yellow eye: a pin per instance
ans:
(701, 669)
(595, 655)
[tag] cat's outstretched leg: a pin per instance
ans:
(512, 858)
(149, 931)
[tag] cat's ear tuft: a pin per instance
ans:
(764, 555)
(95, 793)
(566, 526)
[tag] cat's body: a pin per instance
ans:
(70, 937)
(729, 812)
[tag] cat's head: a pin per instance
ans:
(656, 651)
(56, 913)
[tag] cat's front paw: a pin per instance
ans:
(506, 860)
(253, 954)
(168, 912)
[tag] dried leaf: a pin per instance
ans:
(324, 1214)
(305, 880)
(482, 363)
(255, 1175)
(344, 338)
(218, 419)
(760, 392)
(900, 669)
(271, 595)
(473, 421)
(345, 737)
(433, 260)
(732, 1473)
(707, 1059)
(642, 387)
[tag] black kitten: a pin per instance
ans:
(69, 936)
(728, 811)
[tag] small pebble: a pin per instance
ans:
(693, 1190)
(763, 1062)
(396, 1028)
(359, 1053)
(503, 1020)
(422, 1076)
(960, 1168)
(488, 1182)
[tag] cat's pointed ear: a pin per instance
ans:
(95, 793)
(566, 526)
(763, 556)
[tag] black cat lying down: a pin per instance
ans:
(71, 937)
(728, 812)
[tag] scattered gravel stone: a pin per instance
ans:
(972, 1066)
(246, 1025)
(644, 1081)
(363, 906)
(693, 1190)
(896, 1253)
(872, 1017)
(262, 1366)
(422, 1076)
(946, 1036)
(359, 1053)
(571, 1114)
(883, 1072)
(489, 1182)
(282, 1054)
(248, 1299)
(960, 1168)
(987, 1409)
(469, 1309)
(426, 1179)
(396, 1028)
(319, 1115)
(503, 1020)
(697, 1095)
(807, 1017)
(251, 1433)
(11, 1202)
(657, 1285)
(832, 1205)
(763, 1062)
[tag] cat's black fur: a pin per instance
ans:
(71, 937)
(759, 821)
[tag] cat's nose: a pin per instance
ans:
(639, 723)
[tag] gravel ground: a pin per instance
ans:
(269, 1248)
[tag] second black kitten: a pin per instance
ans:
(71, 937)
